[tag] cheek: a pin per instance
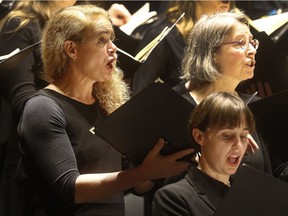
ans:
(232, 60)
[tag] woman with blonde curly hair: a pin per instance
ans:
(72, 171)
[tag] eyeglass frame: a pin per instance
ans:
(241, 45)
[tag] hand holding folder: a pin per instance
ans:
(157, 111)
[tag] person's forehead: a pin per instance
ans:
(239, 29)
(103, 25)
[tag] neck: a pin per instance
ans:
(81, 93)
(204, 90)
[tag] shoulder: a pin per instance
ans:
(41, 105)
(176, 199)
(178, 189)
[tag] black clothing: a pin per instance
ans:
(164, 61)
(59, 144)
(195, 195)
(267, 8)
(16, 86)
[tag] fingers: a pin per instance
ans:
(157, 166)
(182, 153)
(263, 88)
(157, 147)
(268, 89)
(119, 14)
(177, 155)
(123, 11)
(260, 88)
(252, 144)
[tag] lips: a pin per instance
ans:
(111, 63)
(251, 63)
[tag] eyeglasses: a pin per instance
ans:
(245, 44)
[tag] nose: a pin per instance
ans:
(239, 143)
(112, 48)
(251, 49)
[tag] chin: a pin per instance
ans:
(248, 76)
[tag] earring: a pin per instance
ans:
(74, 60)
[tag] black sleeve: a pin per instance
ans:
(42, 129)
(17, 85)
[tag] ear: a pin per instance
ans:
(70, 49)
(198, 136)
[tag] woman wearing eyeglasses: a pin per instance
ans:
(219, 56)
(165, 61)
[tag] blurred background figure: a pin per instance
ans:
(21, 27)
(5, 7)
(258, 9)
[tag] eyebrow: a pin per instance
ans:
(243, 35)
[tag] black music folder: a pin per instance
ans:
(271, 116)
(157, 111)
(129, 44)
(10, 62)
(254, 193)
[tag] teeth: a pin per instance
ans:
(232, 159)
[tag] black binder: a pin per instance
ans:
(10, 62)
(271, 65)
(254, 193)
(129, 44)
(271, 116)
(157, 111)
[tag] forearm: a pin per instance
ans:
(93, 187)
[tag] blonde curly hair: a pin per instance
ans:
(75, 23)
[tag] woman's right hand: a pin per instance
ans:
(157, 166)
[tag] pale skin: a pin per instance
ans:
(94, 61)
(221, 151)
(119, 14)
(62, 4)
(210, 7)
(236, 66)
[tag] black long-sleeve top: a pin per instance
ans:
(59, 144)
